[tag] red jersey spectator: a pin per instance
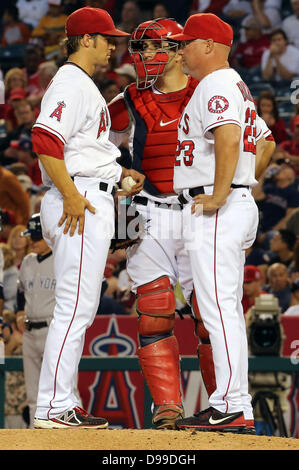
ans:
(251, 286)
(248, 54)
(15, 97)
(14, 31)
(268, 110)
(209, 6)
(291, 147)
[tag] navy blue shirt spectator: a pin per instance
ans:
(277, 198)
(279, 285)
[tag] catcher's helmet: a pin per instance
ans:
(150, 66)
(34, 228)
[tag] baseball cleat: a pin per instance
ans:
(210, 420)
(249, 427)
(75, 418)
(165, 416)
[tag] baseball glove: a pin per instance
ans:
(129, 224)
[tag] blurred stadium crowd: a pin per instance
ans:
(266, 54)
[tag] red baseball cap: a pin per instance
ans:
(17, 94)
(206, 26)
(252, 273)
(90, 20)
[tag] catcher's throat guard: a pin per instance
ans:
(150, 62)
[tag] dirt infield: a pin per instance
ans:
(131, 439)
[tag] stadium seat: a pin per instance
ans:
(12, 56)
(257, 88)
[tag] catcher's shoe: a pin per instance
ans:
(213, 420)
(75, 418)
(165, 416)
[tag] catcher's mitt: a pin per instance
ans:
(129, 224)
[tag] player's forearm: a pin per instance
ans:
(58, 173)
(283, 71)
(227, 147)
(264, 152)
(260, 15)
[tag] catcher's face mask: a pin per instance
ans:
(151, 50)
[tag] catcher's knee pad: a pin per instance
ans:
(155, 306)
(200, 329)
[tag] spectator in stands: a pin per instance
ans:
(32, 59)
(19, 244)
(282, 247)
(7, 222)
(31, 11)
(14, 78)
(160, 11)
(280, 63)
(125, 75)
(10, 278)
(247, 56)
(46, 71)
(251, 286)
(294, 305)
(267, 13)
(268, 110)
(294, 266)
(109, 90)
(295, 114)
(26, 155)
(279, 285)
(130, 16)
(121, 53)
(291, 147)
(291, 24)
(257, 256)
(293, 223)
(237, 9)
(108, 5)
(276, 196)
(14, 31)
(13, 197)
(51, 28)
(26, 116)
(16, 96)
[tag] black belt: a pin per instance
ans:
(103, 187)
(35, 324)
(201, 190)
(163, 205)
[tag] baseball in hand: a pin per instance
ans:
(127, 183)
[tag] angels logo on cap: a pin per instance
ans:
(218, 104)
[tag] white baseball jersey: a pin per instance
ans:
(74, 111)
(220, 98)
(37, 281)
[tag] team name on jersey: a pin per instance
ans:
(184, 123)
(104, 121)
(46, 283)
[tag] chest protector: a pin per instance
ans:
(156, 119)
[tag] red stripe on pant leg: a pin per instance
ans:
(75, 310)
(219, 308)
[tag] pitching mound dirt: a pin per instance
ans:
(130, 439)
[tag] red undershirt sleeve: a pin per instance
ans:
(47, 144)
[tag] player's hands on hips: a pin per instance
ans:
(74, 212)
(206, 204)
(138, 177)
